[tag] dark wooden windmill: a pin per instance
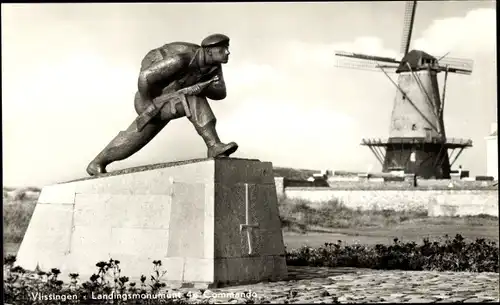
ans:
(417, 140)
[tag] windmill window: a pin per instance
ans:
(413, 156)
(414, 127)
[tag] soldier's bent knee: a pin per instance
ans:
(201, 112)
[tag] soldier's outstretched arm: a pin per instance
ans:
(160, 71)
(217, 89)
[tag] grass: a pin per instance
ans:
(297, 213)
(293, 173)
(330, 236)
(404, 233)
(333, 221)
(21, 286)
(303, 225)
(17, 211)
(333, 214)
(16, 217)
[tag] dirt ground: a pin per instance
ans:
(407, 232)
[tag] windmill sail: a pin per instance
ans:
(364, 62)
(417, 140)
(456, 65)
(358, 64)
(366, 57)
(409, 19)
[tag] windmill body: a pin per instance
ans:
(413, 114)
(417, 140)
(417, 103)
(416, 129)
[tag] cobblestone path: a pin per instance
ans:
(351, 285)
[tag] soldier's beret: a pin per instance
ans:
(215, 40)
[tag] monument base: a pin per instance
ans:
(211, 222)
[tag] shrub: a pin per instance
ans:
(445, 255)
(22, 287)
(16, 218)
(334, 214)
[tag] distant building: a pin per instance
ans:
(492, 152)
(320, 179)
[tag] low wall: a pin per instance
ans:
(280, 186)
(440, 202)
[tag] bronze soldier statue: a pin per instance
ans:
(175, 81)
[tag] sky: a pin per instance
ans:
(69, 75)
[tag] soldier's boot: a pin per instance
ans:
(216, 149)
(124, 145)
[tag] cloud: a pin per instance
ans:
(475, 33)
(80, 81)
(76, 103)
(323, 55)
(473, 36)
(279, 107)
(303, 104)
(272, 129)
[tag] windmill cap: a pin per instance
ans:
(215, 40)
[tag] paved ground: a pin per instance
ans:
(350, 285)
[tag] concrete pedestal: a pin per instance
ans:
(211, 222)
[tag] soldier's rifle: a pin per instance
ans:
(173, 98)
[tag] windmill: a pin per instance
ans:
(417, 140)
